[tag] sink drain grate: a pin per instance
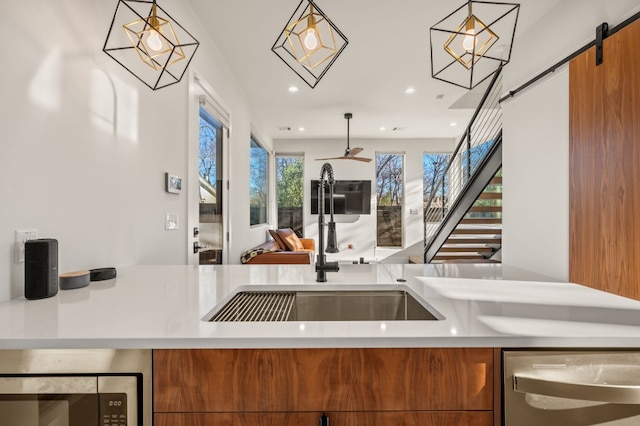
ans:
(257, 306)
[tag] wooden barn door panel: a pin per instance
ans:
(604, 164)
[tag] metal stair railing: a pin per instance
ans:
(483, 131)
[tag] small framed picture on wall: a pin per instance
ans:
(172, 183)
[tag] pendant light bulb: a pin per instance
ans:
(154, 41)
(469, 41)
(310, 39)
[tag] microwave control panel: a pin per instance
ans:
(113, 409)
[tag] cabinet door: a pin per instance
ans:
(236, 419)
(285, 380)
(414, 418)
(396, 418)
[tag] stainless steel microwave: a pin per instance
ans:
(70, 400)
(75, 388)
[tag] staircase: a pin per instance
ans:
(463, 218)
(478, 236)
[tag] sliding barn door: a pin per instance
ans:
(604, 165)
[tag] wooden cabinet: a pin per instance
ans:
(405, 386)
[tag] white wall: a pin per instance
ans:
(85, 145)
(360, 230)
(536, 135)
(536, 179)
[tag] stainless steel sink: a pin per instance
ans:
(325, 305)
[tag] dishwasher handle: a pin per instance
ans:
(617, 394)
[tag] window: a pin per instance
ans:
(389, 199)
(433, 168)
(259, 185)
(210, 155)
(290, 190)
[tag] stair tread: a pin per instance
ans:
(478, 231)
(481, 220)
(490, 196)
(454, 249)
(457, 240)
(449, 256)
(467, 261)
(486, 209)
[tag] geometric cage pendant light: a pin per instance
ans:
(148, 43)
(309, 43)
(470, 44)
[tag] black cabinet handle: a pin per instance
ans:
(324, 420)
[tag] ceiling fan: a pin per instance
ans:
(349, 153)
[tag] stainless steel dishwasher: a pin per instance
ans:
(571, 388)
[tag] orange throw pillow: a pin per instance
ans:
(291, 240)
(278, 239)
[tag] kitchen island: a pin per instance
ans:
(417, 372)
(164, 307)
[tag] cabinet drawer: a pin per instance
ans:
(396, 418)
(284, 380)
(236, 419)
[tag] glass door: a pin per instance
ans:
(210, 166)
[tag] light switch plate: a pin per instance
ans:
(171, 221)
(21, 237)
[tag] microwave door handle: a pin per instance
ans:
(616, 394)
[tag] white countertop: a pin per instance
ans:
(163, 307)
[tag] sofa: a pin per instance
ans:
(284, 248)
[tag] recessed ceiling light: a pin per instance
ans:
(293, 89)
(382, 128)
(453, 124)
(301, 129)
(439, 97)
(410, 90)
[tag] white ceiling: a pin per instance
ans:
(388, 52)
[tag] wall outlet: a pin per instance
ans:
(21, 237)
(413, 211)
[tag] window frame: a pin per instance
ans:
(253, 144)
(402, 202)
(299, 157)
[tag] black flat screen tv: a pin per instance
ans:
(349, 197)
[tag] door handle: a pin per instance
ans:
(616, 394)
(324, 420)
(197, 247)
